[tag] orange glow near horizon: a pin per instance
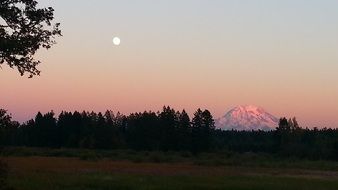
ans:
(215, 56)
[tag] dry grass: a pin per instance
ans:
(24, 165)
(70, 173)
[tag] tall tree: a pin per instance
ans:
(5, 121)
(24, 28)
(8, 128)
(202, 126)
(207, 129)
(184, 130)
(143, 132)
(168, 123)
(46, 131)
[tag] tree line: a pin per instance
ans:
(166, 130)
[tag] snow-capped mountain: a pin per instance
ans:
(247, 118)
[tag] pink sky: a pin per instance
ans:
(280, 56)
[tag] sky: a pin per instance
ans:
(279, 55)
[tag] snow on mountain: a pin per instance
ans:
(246, 118)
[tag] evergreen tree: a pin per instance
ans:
(46, 131)
(197, 124)
(202, 127)
(184, 130)
(207, 129)
(168, 123)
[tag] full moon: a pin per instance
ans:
(116, 41)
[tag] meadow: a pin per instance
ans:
(38, 168)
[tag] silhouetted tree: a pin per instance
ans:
(202, 126)
(111, 127)
(283, 125)
(5, 122)
(24, 28)
(207, 128)
(46, 131)
(5, 119)
(169, 129)
(7, 128)
(120, 124)
(184, 131)
(143, 131)
(282, 134)
(72, 129)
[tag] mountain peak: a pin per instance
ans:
(247, 117)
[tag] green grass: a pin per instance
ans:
(52, 181)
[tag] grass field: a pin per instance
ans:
(71, 172)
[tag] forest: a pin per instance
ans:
(166, 130)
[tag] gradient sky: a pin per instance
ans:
(280, 55)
